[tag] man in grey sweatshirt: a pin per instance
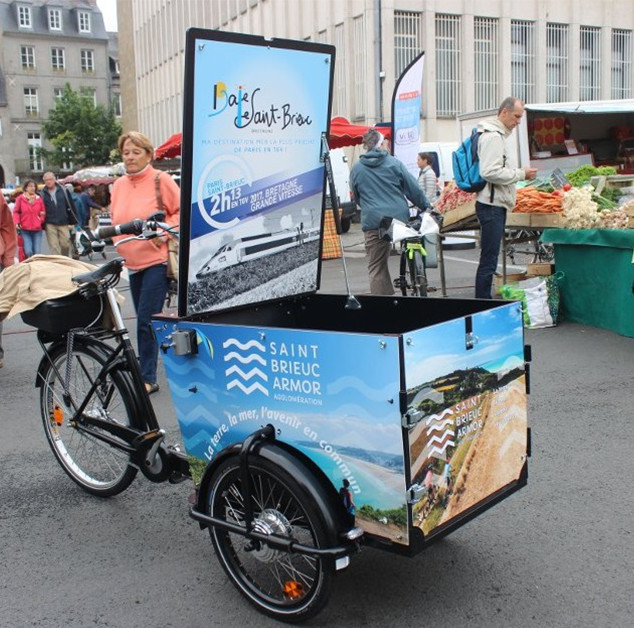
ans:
(498, 196)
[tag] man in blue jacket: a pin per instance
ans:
(59, 215)
(381, 186)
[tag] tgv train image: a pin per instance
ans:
(255, 246)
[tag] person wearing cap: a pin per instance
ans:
(382, 185)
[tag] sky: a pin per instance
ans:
(109, 10)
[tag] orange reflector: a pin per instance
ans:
(293, 589)
(58, 415)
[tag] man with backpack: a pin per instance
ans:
(498, 194)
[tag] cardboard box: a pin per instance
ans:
(522, 219)
(539, 269)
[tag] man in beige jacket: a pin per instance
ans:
(498, 196)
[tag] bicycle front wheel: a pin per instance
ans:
(521, 247)
(417, 278)
(96, 466)
(290, 587)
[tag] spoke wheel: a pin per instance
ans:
(522, 248)
(93, 464)
(417, 278)
(290, 587)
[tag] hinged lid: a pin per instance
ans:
(253, 174)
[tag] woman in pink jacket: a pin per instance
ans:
(140, 193)
(28, 216)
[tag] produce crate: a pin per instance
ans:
(461, 218)
(522, 219)
(539, 269)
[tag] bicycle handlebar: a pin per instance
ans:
(134, 227)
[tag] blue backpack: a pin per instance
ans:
(466, 164)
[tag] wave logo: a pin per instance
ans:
(440, 430)
(243, 365)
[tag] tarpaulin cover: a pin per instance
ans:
(597, 285)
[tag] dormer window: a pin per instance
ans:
(83, 21)
(24, 17)
(55, 19)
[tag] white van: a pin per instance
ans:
(341, 175)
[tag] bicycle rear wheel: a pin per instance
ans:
(93, 464)
(288, 586)
(521, 247)
(416, 275)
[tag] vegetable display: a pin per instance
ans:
(451, 197)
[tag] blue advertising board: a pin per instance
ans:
(252, 192)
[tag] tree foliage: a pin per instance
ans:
(79, 131)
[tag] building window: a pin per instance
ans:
(358, 66)
(58, 92)
(523, 60)
(116, 104)
(486, 56)
(67, 163)
(24, 17)
(55, 19)
(590, 63)
(87, 58)
(448, 79)
(621, 64)
(340, 71)
(58, 61)
(556, 62)
(83, 21)
(407, 39)
(27, 54)
(31, 107)
(89, 93)
(34, 141)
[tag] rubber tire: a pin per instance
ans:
(95, 466)
(417, 275)
(248, 570)
(522, 253)
(345, 224)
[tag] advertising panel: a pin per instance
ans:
(332, 396)
(470, 388)
(255, 112)
(406, 111)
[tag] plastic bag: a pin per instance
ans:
(540, 299)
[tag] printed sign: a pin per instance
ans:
(471, 392)
(406, 111)
(253, 200)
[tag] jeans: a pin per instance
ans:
(378, 252)
(149, 289)
(492, 219)
(32, 242)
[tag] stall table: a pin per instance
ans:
(463, 218)
(596, 288)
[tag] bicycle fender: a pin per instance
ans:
(311, 479)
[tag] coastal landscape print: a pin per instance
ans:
(470, 396)
(335, 406)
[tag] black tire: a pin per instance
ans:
(287, 586)
(521, 247)
(401, 282)
(345, 224)
(94, 465)
(417, 278)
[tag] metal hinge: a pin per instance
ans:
(415, 493)
(411, 418)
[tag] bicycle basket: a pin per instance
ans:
(57, 316)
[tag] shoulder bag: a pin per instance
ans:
(172, 243)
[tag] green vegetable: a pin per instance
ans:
(583, 174)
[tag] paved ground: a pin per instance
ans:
(559, 553)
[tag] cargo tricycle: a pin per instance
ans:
(313, 424)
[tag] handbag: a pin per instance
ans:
(540, 299)
(172, 243)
